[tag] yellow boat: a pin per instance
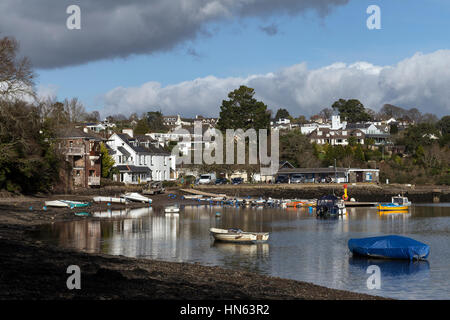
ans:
(391, 212)
(398, 203)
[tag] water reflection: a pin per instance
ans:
(300, 246)
(392, 268)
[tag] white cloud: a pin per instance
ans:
(420, 81)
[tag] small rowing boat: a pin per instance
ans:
(238, 236)
(193, 196)
(134, 196)
(110, 199)
(66, 203)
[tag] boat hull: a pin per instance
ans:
(391, 207)
(110, 199)
(389, 247)
(136, 197)
(238, 237)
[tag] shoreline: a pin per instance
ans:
(361, 192)
(32, 269)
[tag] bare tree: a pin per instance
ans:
(16, 75)
(75, 109)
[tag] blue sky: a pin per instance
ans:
(237, 47)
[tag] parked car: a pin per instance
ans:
(207, 178)
(237, 181)
(297, 178)
(282, 179)
(221, 181)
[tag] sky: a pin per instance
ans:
(185, 56)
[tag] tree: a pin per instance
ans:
(282, 114)
(16, 75)
(142, 127)
(393, 129)
(107, 162)
(352, 110)
(326, 113)
(242, 111)
(155, 121)
(444, 125)
(74, 110)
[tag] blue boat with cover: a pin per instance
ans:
(389, 247)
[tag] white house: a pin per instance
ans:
(336, 124)
(138, 163)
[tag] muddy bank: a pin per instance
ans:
(31, 269)
(363, 193)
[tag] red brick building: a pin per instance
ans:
(81, 151)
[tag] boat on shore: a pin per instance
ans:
(238, 236)
(110, 199)
(389, 247)
(397, 203)
(66, 204)
(134, 196)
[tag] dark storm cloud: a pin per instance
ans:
(113, 28)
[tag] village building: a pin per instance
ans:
(81, 150)
(333, 174)
(336, 137)
(138, 160)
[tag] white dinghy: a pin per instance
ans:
(134, 196)
(110, 199)
(237, 235)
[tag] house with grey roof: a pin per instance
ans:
(139, 160)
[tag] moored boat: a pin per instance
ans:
(389, 247)
(110, 199)
(397, 203)
(330, 205)
(238, 236)
(134, 196)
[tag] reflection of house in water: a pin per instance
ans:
(82, 235)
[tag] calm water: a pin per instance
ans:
(300, 246)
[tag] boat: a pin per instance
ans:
(56, 203)
(134, 196)
(193, 196)
(259, 202)
(389, 247)
(238, 236)
(172, 209)
(397, 203)
(330, 205)
(66, 203)
(110, 199)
